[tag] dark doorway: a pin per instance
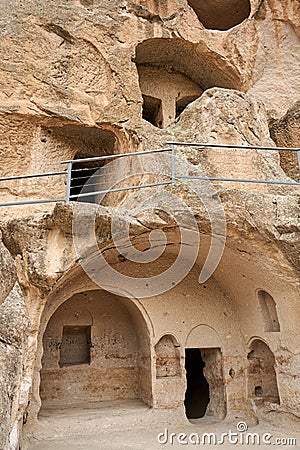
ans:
(197, 392)
(81, 183)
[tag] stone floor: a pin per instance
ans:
(132, 425)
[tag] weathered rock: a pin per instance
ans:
(14, 395)
(91, 78)
(7, 270)
(286, 133)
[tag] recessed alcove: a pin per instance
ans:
(268, 311)
(75, 346)
(94, 350)
(173, 73)
(166, 93)
(262, 381)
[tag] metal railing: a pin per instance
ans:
(72, 162)
(70, 177)
(31, 202)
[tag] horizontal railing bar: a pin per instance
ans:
(243, 147)
(88, 169)
(98, 158)
(121, 189)
(36, 175)
(238, 180)
(84, 185)
(100, 174)
(33, 202)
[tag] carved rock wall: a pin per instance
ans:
(72, 86)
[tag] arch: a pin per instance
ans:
(203, 336)
(167, 357)
(268, 311)
(73, 285)
(221, 14)
(96, 358)
(262, 382)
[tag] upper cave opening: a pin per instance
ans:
(221, 14)
(173, 73)
(166, 93)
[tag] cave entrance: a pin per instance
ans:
(82, 181)
(197, 393)
(79, 143)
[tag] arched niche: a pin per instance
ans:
(221, 14)
(173, 73)
(91, 350)
(167, 356)
(116, 329)
(268, 311)
(262, 381)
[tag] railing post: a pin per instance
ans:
(173, 162)
(69, 176)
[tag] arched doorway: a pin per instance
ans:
(95, 348)
(205, 394)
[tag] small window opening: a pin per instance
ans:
(75, 346)
(269, 312)
(258, 391)
(152, 110)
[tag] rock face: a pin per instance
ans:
(14, 330)
(286, 133)
(81, 300)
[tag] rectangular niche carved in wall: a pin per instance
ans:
(75, 346)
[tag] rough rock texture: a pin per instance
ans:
(7, 267)
(14, 330)
(89, 78)
(286, 133)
